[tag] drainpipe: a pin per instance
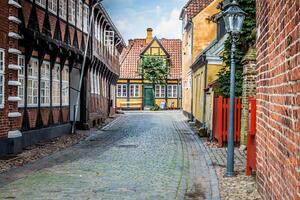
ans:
(192, 86)
(83, 65)
(205, 95)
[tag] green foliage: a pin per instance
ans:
(247, 40)
(154, 69)
(155, 108)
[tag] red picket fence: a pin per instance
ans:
(251, 139)
(221, 119)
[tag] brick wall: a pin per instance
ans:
(278, 95)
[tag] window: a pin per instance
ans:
(45, 84)
(52, 5)
(63, 9)
(79, 14)
(134, 90)
(122, 90)
(32, 87)
(109, 38)
(41, 3)
(92, 82)
(65, 86)
(2, 68)
(21, 91)
(172, 91)
(85, 18)
(160, 91)
(56, 85)
(72, 11)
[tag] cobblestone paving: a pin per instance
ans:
(142, 155)
(219, 155)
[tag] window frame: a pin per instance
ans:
(86, 15)
(122, 87)
(41, 3)
(45, 98)
(56, 83)
(161, 91)
(21, 79)
(53, 7)
(33, 78)
(79, 14)
(136, 90)
(62, 13)
(2, 74)
(65, 86)
(72, 12)
(172, 94)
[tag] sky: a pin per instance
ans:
(133, 17)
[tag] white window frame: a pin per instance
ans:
(32, 80)
(134, 90)
(42, 3)
(86, 16)
(123, 90)
(160, 91)
(45, 79)
(2, 75)
(52, 6)
(21, 79)
(65, 86)
(172, 91)
(56, 85)
(63, 9)
(72, 11)
(79, 14)
(92, 82)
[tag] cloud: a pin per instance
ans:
(170, 27)
(158, 10)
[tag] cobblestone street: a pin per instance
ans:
(140, 155)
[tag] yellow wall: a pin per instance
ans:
(194, 42)
(198, 90)
(198, 94)
(204, 31)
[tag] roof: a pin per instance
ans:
(193, 7)
(131, 55)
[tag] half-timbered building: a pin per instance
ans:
(42, 46)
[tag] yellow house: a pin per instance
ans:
(205, 66)
(133, 92)
(197, 34)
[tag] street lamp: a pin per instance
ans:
(234, 18)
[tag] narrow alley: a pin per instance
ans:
(141, 155)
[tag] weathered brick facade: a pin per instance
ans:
(249, 90)
(278, 99)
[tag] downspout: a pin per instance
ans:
(205, 85)
(192, 86)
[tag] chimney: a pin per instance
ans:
(149, 37)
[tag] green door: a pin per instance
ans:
(148, 97)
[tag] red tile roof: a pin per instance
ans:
(131, 55)
(193, 7)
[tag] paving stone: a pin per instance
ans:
(141, 155)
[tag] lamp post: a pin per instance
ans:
(233, 17)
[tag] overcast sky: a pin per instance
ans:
(133, 17)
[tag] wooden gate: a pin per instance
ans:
(221, 119)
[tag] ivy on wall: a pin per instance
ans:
(247, 40)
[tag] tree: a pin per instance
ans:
(247, 40)
(154, 69)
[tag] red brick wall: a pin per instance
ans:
(278, 95)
